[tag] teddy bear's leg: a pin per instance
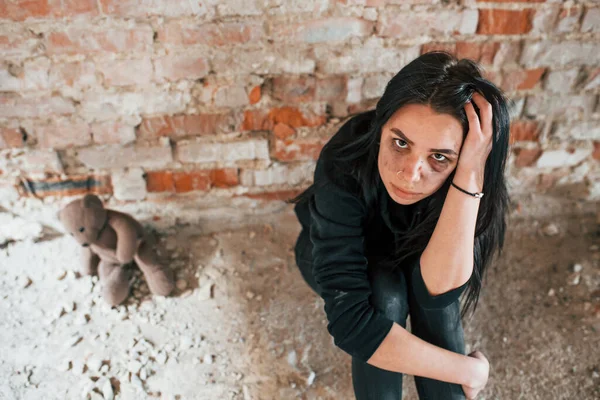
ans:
(115, 282)
(89, 261)
(158, 277)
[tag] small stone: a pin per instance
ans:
(64, 366)
(73, 340)
(577, 268)
(250, 295)
(550, 229)
(181, 284)
(24, 282)
(594, 247)
(311, 378)
(551, 292)
(207, 359)
(252, 235)
(595, 374)
(61, 275)
(135, 381)
(94, 363)
(292, 358)
(134, 366)
(143, 374)
(574, 279)
(81, 319)
(205, 292)
(104, 369)
(78, 367)
(88, 388)
(185, 342)
(107, 390)
(161, 357)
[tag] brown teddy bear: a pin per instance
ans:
(111, 240)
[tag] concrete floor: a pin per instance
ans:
(243, 324)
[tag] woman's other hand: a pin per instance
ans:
(480, 378)
(478, 142)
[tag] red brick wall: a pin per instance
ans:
(239, 96)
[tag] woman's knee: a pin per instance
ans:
(389, 294)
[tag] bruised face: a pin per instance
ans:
(424, 146)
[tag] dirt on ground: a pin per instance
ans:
(242, 323)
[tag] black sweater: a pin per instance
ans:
(345, 241)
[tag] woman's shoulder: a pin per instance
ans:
(332, 167)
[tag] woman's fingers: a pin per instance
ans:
(485, 113)
(474, 125)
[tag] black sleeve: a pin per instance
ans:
(340, 269)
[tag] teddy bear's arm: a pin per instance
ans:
(126, 238)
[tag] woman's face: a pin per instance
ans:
(419, 149)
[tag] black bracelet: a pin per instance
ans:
(477, 195)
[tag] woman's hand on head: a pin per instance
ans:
(478, 143)
(480, 377)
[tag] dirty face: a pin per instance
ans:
(418, 150)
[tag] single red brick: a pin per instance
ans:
(62, 134)
(504, 22)
(255, 95)
(190, 181)
(221, 34)
(20, 10)
(483, 53)
(84, 41)
(524, 131)
(297, 150)
(181, 66)
(448, 47)
(260, 120)
(277, 195)
(596, 153)
(11, 138)
(77, 7)
(184, 125)
(332, 88)
(522, 79)
(224, 177)
(297, 89)
(526, 157)
(159, 181)
(283, 131)
(112, 132)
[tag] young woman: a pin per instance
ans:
(406, 211)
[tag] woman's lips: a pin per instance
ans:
(404, 193)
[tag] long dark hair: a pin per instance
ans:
(443, 82)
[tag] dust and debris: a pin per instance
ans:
(242, 324)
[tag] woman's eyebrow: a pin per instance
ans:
(402, 136)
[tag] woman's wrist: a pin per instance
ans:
(468, 179)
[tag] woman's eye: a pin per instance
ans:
(81, 229)
(400, 143)
(439, 157)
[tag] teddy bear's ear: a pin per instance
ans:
(91, 200)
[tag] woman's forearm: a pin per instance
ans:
(447, 261)
(403, 352)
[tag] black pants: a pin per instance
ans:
(393, 296)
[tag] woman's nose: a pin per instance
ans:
(411, 170)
